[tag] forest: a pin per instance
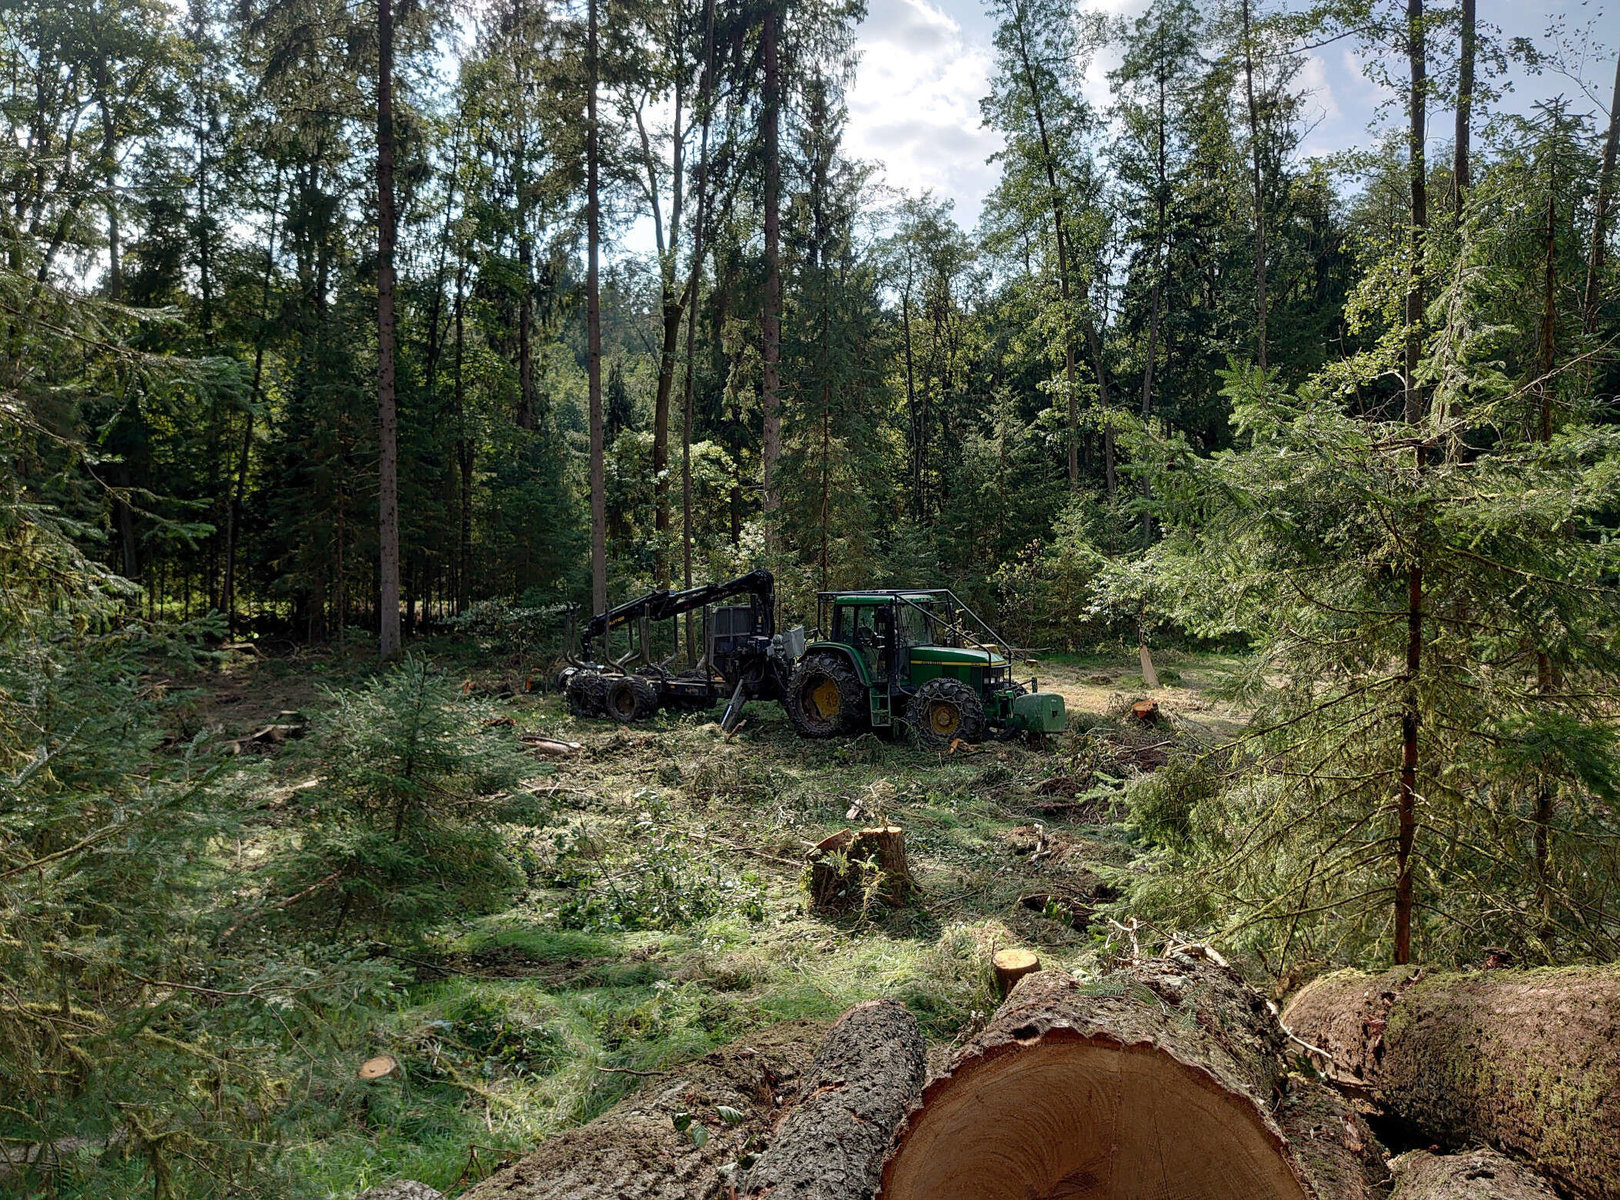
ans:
(356, 353)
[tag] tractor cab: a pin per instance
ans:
(918, 658)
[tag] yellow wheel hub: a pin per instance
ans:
(824, 698)
(944, 719)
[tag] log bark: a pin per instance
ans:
(1528, 1061)
(832, 1143)
(634, 1149)
(1166, 1080)
(1473, 1175)
(852, 867)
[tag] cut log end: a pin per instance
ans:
(1157, 1082)
(376, 1068)
(1013, 965)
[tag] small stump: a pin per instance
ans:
(852, 867)
(1013, 965)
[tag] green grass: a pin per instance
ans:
(505, 1023)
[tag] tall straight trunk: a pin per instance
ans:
(672, 303)
(1060, 238)
(1600, 216)
(593, 320)
(693, 285)
(771, 319)
(387, 417)
(1406, 789)
(912, 416)
(1417, 161)
(464, 453)
(1461, 179)
(1547, 675)
(234, 516)
(1260, 304)
(1156, 297)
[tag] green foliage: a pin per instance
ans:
(413, 819)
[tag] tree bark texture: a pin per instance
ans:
(1164, 1081)
(1471, 1175)
(593, 324)
(1528, 1061)
(864, 1078)
(634, 1150)
(1417, 168)
(387, 414)
(771, 317)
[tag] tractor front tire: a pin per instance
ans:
(825, 698)
(945, 711)
(630, 698)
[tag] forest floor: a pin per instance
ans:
(667, 912)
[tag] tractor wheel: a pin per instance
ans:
(825, 697)
(944, 711)
(630, 698)
(586, 691)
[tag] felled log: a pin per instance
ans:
(1527, 1061)
(1166, 1080)
(1472, 1175)
(549, 747)
(851, 867)
(401, 1189)
(832, 1144)
(646, 1147)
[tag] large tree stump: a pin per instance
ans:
(1528, 1061)
(866, 1075)
(1472, 1175)
(850, 868)
(1012, 965)
(635, 1151)
(1165, 1081)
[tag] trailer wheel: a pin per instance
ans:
(825, 697)
(944, 711)
(586, 691)
(630, 698)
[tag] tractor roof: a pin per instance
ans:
(915, 595)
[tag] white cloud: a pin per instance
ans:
(914, 105)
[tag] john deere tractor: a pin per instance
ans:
(919, 660)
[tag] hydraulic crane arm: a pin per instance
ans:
(662, 604)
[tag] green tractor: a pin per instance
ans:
(914, 659)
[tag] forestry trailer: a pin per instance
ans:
(894, 659)
(913, 658)
(744, 658)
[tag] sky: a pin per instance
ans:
(925, 64)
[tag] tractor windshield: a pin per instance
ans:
(916, 625)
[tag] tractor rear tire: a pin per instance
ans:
(945, 711)
(825, 698)
(630, 698)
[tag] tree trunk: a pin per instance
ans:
(387, 418)
(1472, 1175)
(1600, 216)
(771, 318)
(1060, 238)
(1527, 1061)
(1260, 304)
(593, 323)
(1165, 1079)
(1406, 787)
(634, 1150)
(1461, 180)
(1420, 205)
(832, 1143)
